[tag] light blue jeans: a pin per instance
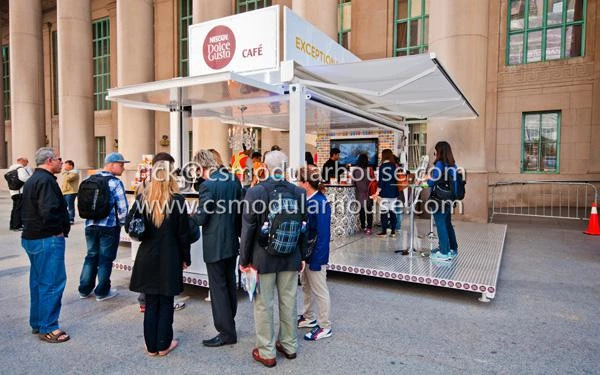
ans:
(47, 279)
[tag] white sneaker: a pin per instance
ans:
(318, 333)
(111, 293)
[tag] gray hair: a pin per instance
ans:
(43, 154)
(276, 161)
(206, 160)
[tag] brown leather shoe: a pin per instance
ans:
(280, 349)
(269, 362)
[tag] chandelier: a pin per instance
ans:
(242, 137)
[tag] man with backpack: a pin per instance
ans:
(272, 223)
(101, 201)
(220, 221)
(16, 176)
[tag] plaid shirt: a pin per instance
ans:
(118, 199)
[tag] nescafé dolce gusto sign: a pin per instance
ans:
(244, 42)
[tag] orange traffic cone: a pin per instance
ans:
(593, 226)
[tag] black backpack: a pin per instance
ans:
(93, 197)
(12, 177)
(286, 224)
(449, 188)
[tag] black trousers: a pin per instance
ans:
(366, 212)
(223, 297)
(158, 322)
(15, 214)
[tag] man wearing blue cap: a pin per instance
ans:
(102, 234)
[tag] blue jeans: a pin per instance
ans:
(70, 199)
(445, 230)
(388, 214)
(102, 244)
(47, 279)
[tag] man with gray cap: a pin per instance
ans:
(102, 234)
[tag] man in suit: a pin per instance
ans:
(221, 223)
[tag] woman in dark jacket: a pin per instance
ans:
(388, 192)
(362, 177)
(163, 255)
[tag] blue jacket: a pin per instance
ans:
(387, 180)
(438, 171)
(319, 225)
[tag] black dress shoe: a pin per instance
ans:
(217, 341)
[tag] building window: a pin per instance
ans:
(248, 5)
(541, 146)
(417, 144)
(100, 151)
(541, 30)
(54, 73)
(101, 58)
(6, 78)
(411, 27)
(344, 22)
(185, 20)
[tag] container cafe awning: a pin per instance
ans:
(368, 93)
(378, 93)
(416, 87)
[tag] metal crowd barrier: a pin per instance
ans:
(551, 199)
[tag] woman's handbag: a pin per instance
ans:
(135, 225)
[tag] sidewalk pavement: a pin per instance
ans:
(543, 319)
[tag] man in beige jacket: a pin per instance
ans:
(69, 186)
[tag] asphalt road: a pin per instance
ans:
(544, 319)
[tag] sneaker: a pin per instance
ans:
(84, 296)
(368, 232)
(393, 234)
(305, 323)
(382, 233)
(439, 256)
(111, 293)
(317, 333)
(453, 253)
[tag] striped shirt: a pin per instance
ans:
(118, 200)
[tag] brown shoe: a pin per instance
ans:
(280, 349)
(269, 362)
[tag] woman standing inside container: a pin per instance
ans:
(443, 167)
(362, 177)
(163, 255)
(388, 192)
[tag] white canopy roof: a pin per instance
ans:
(416, 86)
(383, 93)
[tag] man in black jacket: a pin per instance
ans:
(45, 226)
(220, 221)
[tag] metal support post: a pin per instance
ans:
(297, 126)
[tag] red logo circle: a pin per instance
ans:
(219, 47)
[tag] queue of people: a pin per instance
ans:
(167, 236)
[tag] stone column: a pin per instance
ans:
(135, 64)
(3, 155)
(75, 86)
(26, 77)
(210, 133)
(458, 34)
(321, 13)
